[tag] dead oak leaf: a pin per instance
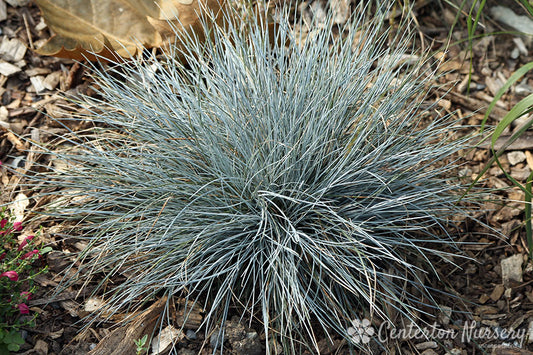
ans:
(111, 27)
(182, 14)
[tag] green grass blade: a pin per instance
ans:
(527, 6)
(527, 212)
(514, 77)
(496, 154)
(520, 109)
(471, 32)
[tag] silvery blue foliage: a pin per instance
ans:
(295, 181)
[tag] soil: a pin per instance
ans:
(485, 303)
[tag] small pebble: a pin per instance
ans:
(521, 46)
(341, 10)
(523, 89)
(512, 268)
(318, 12)
(516, 157)
(465, 172)
(251, 335)
(520, 174)
(426, 345)
(191, 334)
(215, 339)
(444, 316)
(18, 162)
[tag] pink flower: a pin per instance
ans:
(17, 226)
(23, 308)
(30, 254)
(26, 295)
(12, 275)
(3, 223)
(25, 242)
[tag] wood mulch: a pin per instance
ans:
(493, 308)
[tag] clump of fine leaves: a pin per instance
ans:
(293, 181)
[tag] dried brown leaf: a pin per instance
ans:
(111, 27)
(122, 340)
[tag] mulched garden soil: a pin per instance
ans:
(491, 310)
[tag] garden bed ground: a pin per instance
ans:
(494, 289)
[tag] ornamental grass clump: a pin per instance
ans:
(294, 181)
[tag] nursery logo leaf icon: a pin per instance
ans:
(361, 331)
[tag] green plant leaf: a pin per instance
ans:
(14, 337)
(471, 31)
(527, 212)
(497, 154)
(13, 347)
(516, 75)
(46, 250)
(527, 6)
(520, 109)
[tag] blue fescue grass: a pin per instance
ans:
(295, 181)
